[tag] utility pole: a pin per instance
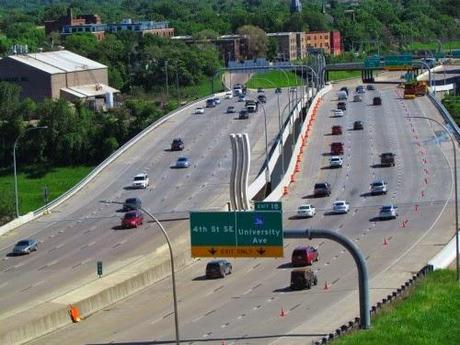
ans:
(166, 80)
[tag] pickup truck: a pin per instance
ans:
(387, 159)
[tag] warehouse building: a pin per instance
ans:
(59, 74)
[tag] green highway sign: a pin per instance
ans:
(398, 62)
(372, 61)
(268, 206)
(456, 53)
(236, 234)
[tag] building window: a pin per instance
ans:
(320, 45)
(320, 37)
(326, 37)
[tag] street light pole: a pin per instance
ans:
(456, 189)
(268, 176)
(166, 80)
(14, 166)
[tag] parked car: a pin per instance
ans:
(378, 187)
(388, 212)
(182, 162)
(357, 98)
(370, 87)
(132, 219)
(335, 162)
(303, 278)
(377, 101)
(306, 210)
(132, 204)
(140, 181)
(231, 109)
(304, 256)
(337, 148)
(342, 106)
(338, 112)
(262, 98)
(244, 114)
(218, 269)
(25, 247)
(340, 206)
(210, 103)
(358, 125)
(228, 95)
(322, 189)
(177, 144)
(278, 90)
(336, 130)
(387, 159)
(199, 110)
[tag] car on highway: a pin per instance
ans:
(140, 181)
(378, 187)
(342, 95)
(345, 89)
(335, 162)
(337, 148)
(177, 144)
(132, 204)
(293, 89)
(342, 106)
(306, 210)
(357, 98)
(387, 159)
(336, 130)
(242, 98)
(199, 110)
(218, 269)
(303, 278)
(377, 101)
(358, 125)
(360, 89)
(244, 114)
(216, 100)
(25, 247)
(338, 112)
(228, 95)
(278, 90)
(260, 90)
(322, 189)
(388, 212)
(132, 219)
(210, 103)
(370, 87)
(231, 109)
(262, 98)
(304, 256)
(340, 206)
(182, 162)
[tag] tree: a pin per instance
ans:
(257, 41)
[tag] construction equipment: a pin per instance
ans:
(415, 88)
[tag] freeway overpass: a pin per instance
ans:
(244, 308)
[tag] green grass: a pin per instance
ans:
(31, 182)
(452, 103)
(202, 89)
(430, 315)
(340, 75)
(273, 79)
(434, 46)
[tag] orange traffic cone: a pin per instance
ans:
(385, 242)
(292, 178)
(282, 313)
(326, 287)
(297, 168)
(285, 191)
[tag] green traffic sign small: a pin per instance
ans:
(268, 206)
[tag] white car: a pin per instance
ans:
(306, 210)
(217, 100)
(378, 187)
(335, 162)
(338, 112)
(388, 212)
(141, 181)
(199, 110)
(228, 95)
(340, 206)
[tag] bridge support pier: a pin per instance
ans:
(367, 75)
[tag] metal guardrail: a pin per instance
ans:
(446, 115)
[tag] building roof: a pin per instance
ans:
(56, 62)
(89, 90)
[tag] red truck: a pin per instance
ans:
(337, 148)
(336, 130)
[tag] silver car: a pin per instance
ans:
(388, 212)
(182, 162)
(378, 187)
(25, 246)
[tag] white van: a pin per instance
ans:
(342, 95)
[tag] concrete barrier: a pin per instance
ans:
(16, 223)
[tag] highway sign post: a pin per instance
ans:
(236, 234)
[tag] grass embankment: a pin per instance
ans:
(429, 315)
(446, 46)
(452, 104)
(340, 75)
(273, 79)
(31, 183)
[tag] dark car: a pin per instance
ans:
(387, 159)
(278, 90)
(336, 130)
(345, 89)
(132, 204)
(262, 98)
(25, 247)
(337, 148)
(357, 125)
(304, 256)
(177, 145)
(342, 106)
(370, 87)
(322, 189)
(303, 278)
(132, 219)
(218, 269)
(260, 90)
(210, 103)
(377, 101)
(244, 114)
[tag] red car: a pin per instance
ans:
(304, 255)
(132, 219)
(336, 130)
(337, 148)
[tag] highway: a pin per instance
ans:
(83, 230)
(245, 307)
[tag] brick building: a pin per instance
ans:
(290, 45)
(328, 41)
(69, 19)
